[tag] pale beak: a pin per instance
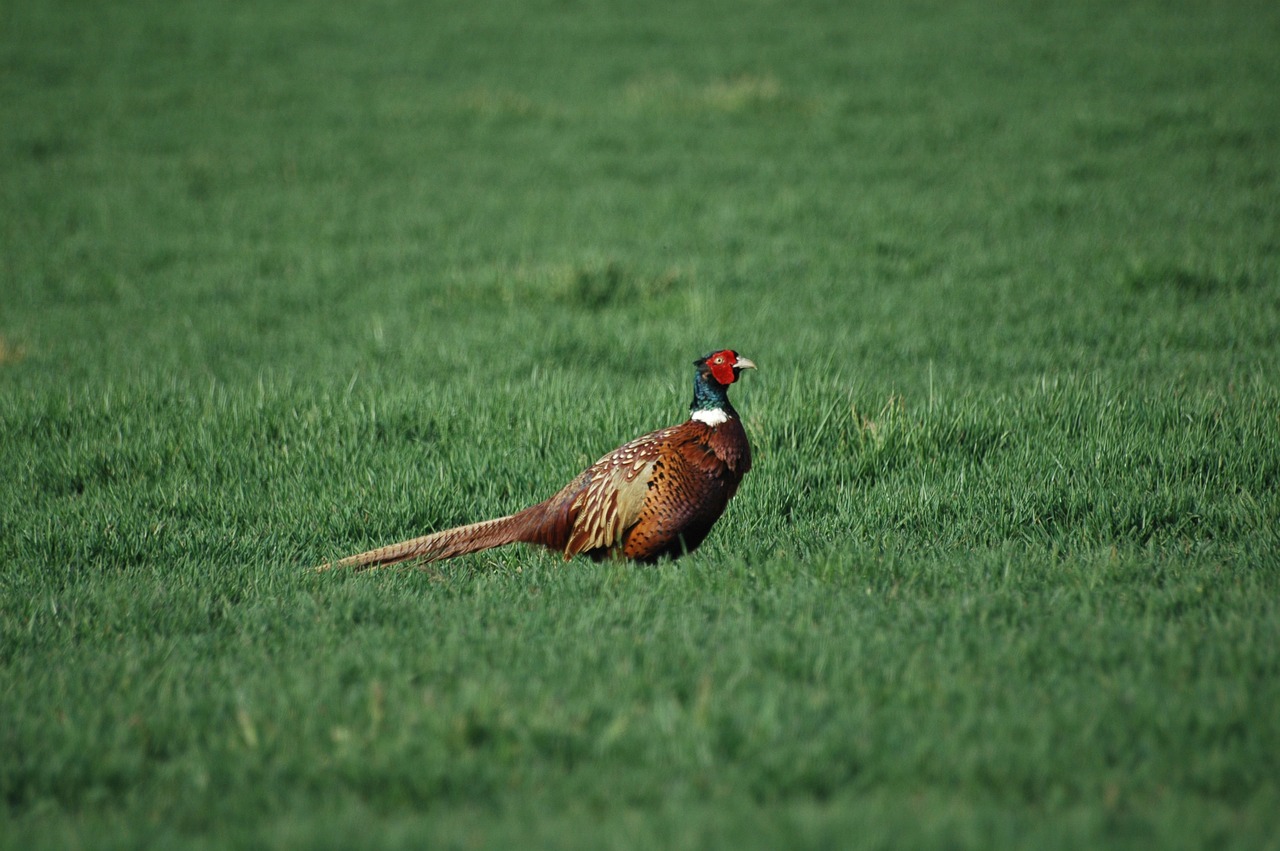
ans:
(743, 363)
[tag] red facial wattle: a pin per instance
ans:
(721, 365)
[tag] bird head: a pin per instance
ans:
(723, 366)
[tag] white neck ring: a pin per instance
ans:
(713, 417)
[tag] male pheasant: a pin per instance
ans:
(658, 495)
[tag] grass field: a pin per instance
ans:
(283, 281)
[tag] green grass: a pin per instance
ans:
(282, 282)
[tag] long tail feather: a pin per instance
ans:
(449, 543)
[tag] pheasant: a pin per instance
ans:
(658, 495)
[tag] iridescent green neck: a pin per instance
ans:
(709, 396)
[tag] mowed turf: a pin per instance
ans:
(283, 282)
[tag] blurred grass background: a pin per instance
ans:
(279, 283)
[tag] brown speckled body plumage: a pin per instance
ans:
(658, 495)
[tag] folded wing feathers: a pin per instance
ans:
(610, 503)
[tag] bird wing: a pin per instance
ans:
(612, 493)
(688, 490)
